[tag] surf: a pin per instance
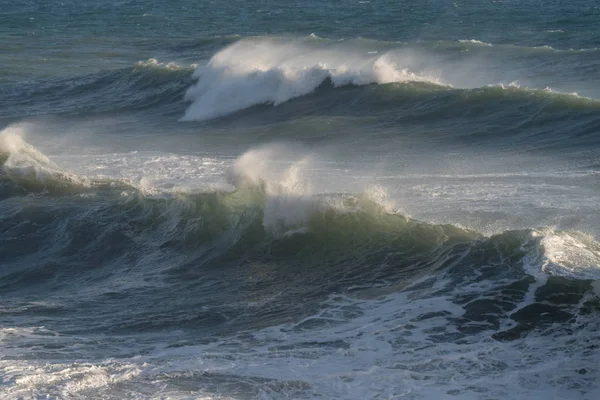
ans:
(273, 71)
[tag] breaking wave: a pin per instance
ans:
(263, 206)
(274, 71)
(254, 72)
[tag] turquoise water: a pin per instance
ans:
(349, 200)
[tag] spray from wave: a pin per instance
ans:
(23, 163)
(257, 71)
(260, 71)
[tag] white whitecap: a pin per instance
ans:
(269, 71)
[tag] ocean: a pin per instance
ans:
(300, 199)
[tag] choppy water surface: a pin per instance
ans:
(362, 199)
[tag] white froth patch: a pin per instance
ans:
(153, 173)
(252, 72)
(475, 41)
(573, 255)
(517, 85)
(10, 334)
(390, 348)
(380, 196)
(56, 380)
(170, 66)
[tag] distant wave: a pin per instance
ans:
(525, 49)
(474, 41)
(547, 92)
(273, 71)
(147, 84)
(254, 72)
(169, 66)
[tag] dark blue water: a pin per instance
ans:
(345, 200)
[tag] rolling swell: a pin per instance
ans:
(405, 84)
(535, 119)
(264, 253)
(148, 84)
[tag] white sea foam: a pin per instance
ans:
(62, 381)
(401, 345)
(10, 334)
(547, 89)
(24, 160)
(475, 41)
(154, 63)
(273, 71)
(573, 255)
(154, 173)
(389, 347)
(268, 71)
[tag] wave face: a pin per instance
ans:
(274, 199)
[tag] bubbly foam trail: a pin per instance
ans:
(269, 71)
(574, 255)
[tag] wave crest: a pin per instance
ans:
(21, 162)
(153, 63)
(252, 72)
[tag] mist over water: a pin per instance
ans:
(281, 200)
